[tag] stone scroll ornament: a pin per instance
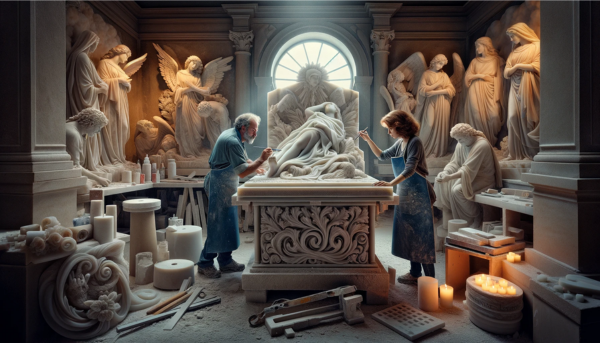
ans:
(314, 235)
(88, 293)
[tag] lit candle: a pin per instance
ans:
(511, 290)
(503, 283)
(510, 258)
(479, 280)
(484, 286)
(446, 296)
(501, 290)
(427, 293)
(493, 289)
(517, 258)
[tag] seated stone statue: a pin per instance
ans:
(87, 122)
(474, 168)
(317, 147)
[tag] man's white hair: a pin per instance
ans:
(90, 117)
(464, 130)
(243, 120)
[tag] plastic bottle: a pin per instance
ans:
(172, 168)
(136, 173)
(154, 171)
(162, 171)
(147, 170)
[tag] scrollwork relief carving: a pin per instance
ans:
(314, 235)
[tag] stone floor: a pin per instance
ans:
(228, 321)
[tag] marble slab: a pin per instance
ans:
(487, 249)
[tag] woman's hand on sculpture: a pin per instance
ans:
(266, 154)
(382, 184)
(260, 171)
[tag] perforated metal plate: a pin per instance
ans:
(408, 321)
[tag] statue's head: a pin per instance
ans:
(333, 110)
(313, 77)
(396, 76)
(194, 64)
(312, 74)
(247, 125)
(521, 33)
(205, 109)
(89, 121)
(484, 46)
(438, 62)
(120, 50)
(144, 126)
(465, 134)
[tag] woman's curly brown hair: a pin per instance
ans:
(404, 123)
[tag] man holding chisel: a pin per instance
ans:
(228, 162)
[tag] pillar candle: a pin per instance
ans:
(111, 210)
(484, 286)
(428, 293)
(517, 258)
(511, 290)
(171, 273)
(455, 224)
(103, 229)
(510, 258)
(479, 279)
(446, 296)
(493, 289)
(126, 176)
(501, 290)
(503, 283)
(136, 177)
(96, 209)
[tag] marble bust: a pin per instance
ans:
(86, 123)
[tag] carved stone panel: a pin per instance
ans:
(314, 235)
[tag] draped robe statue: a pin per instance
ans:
(473, 168)
(523, 70)
(484, 101)
(85, 89)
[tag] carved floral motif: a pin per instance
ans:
(242, 41)
(314, 235)
(381, 40)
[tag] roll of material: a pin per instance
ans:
(33, 234)
(185, 242)
(27, 228)
(111, 210)
(49, 222)
(82, 233)
(126, 176)
(170, 274)
(96, 209)
(455, 224)
(103, 229)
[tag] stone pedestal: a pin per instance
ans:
(142, 229)
(314, 235)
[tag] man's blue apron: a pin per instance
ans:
(412, 237)
(222, 233)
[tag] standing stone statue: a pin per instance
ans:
(85, 89)
(116, 108)
(474, 168)
(484, 80)
(523, 71)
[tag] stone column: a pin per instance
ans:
(381, 49)
(37, 178)
(362, 84)
(566, 173)
(242, 41)
(263, 86)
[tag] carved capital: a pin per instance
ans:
(242, 41)
(381, 40)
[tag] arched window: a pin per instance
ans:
(334, 61)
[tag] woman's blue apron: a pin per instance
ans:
(222, 233)
(412, 237)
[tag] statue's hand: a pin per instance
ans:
(103, 182)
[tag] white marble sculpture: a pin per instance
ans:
(200, 113)
(116, 107)
(523, 71)
(396, 95)
(54, 241)
(85, 89)
(317, 147)
(437, 97)
(88, 293)
(86, 123)
(300, 108)
(314, 235)
(474, 168)
(485, 90)
(149, 140)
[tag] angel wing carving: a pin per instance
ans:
(214, 71)
(135, 65)
(413, 68)
(168, 67)
(457, 79)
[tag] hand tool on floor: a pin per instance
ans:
(159, 306)
(173, 321)
(347, 308)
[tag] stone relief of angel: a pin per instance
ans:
(149, 140)
(199, 113)
(116, 108)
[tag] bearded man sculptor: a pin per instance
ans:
(228, 162)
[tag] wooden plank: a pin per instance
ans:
(188, 214)
(487, 249)
(457, 268)
(179, 206)
(195, 214)
(510, 218)
(173, 321)
(202, 212)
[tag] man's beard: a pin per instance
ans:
(249, 139)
